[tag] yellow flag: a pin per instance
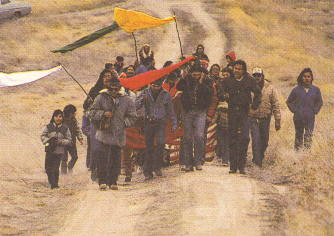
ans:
(132, 20)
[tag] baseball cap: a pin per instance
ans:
(257, 71)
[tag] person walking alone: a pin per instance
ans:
(305, 101)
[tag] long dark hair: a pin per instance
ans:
(199, 45)
(99, 83)
(300, 77)
(56, 113)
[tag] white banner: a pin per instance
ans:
(14, 79)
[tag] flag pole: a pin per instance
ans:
(178, 34)
(135, 46)
(75, 81)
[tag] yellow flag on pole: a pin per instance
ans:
(132, 20)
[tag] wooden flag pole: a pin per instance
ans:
(135, 46)
(178, 34)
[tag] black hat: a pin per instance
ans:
(196, 67)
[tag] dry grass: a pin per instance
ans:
(283, 37)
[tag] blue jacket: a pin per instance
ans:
(305, 105)
(157, 110)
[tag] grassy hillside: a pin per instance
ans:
(281, 36)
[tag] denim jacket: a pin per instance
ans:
(157, 110)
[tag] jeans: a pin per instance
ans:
(108, 163)
(72, 150)
(222, 143)
(52, 163)
(154, 156)
(304, 132)
(260, 138)
(238, 124)
(193, 138)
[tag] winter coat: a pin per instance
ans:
(72, 124)
(61, 132)
(201, 56)
(85, 125)
(203, 97)
(269, 103)
(157, 110)
(305, 105)
(239, 93)
(93, 93)
(124, 116)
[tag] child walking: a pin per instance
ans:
(71, 122)
(221, 120)
(55, 137)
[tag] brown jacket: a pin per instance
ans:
(269, 103)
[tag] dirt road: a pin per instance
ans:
(208, 202)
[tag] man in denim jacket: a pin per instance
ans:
(158, 105)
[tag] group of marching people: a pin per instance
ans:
(238, 102)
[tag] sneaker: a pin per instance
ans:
(158, 172)
(113, 187)
(242, 172)
(225, 162)
(139, 170)
(182, 168)
(148, 178)
(217, 161)
(127, 179)
(103, 187)
(199, 167)
(188, 169)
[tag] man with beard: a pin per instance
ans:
(237, 90)
(260, 121)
